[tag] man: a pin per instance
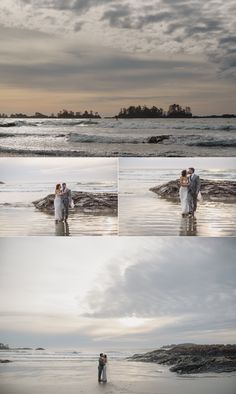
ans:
(66, 201)
(101, 363)
(193, 190)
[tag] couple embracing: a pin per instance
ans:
(62, 202)
(102, 368)
(189, 190)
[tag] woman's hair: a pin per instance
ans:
(184, 173)
(58, 186)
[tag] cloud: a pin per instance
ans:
(191, 285)
(139, 290)
(119, 16)
(192, 25)
(70, 5)
(74, 69)
(88, 48)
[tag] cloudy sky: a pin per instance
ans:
(104, 54)
(121, 292)
(58, 169)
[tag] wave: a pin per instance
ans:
(206, 128)
(125, 124)
(10, 135)
(213, 143)
(58, 122)
(18, 123)
(75, 137)
(16, 205)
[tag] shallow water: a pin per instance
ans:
(21, 221)
(125, 137)
(142, 212)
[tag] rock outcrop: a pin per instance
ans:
(191, 359)
(5, 361)
(156, 139)
(85, 201)
(9, 124)
(210, 190)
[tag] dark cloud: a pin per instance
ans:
(196, 20)
(228, 40)
(119, 16)
(69, 5)
(81, 69)
(78, 26)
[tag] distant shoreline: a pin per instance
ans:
(224, 116)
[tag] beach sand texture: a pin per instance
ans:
(124, 377)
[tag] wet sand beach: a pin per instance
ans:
(19, 217)
(80, 377)
(27, 221)
(142, 212)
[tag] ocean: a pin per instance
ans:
(123, 137)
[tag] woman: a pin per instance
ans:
(104, 371)
(58, 204)
(183, 193)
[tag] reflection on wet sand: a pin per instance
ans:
(26, 221)
(62, 229)
(188, 226)
(147, 214)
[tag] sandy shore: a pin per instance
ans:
(151, 215)
(123, 378)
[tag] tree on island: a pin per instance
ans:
(18, 115)
(175, 111)
(61, 114)
(140, 112)
(70, 114)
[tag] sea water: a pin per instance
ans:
(122, 137)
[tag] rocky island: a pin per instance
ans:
(192, 359)
(224, 191)
(85, 201)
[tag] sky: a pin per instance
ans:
(203, 163)
(106, 54)
(121, 292)
(58, 169)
